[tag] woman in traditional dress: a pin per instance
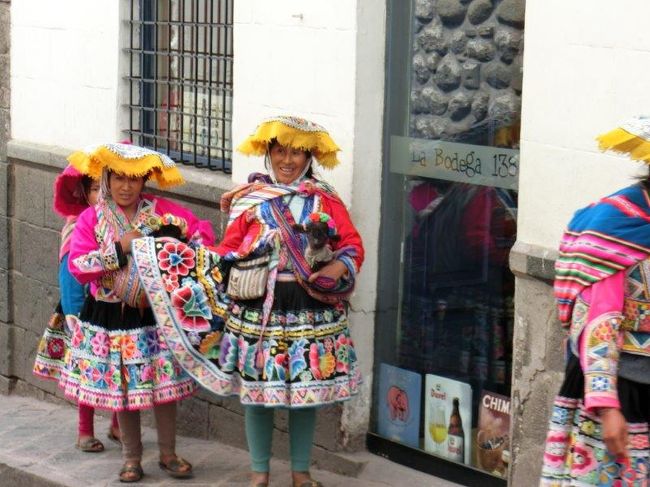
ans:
(73, 193)
(120, 361)
(598, 432)
(286, 341)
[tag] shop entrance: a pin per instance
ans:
(443, 347)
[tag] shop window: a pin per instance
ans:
(443, 348)
(180, 79)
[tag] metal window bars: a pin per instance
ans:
(180, 79)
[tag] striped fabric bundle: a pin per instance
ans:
(602, 239)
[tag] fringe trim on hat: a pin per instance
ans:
(623, 142)
(320, 144)
(93, 164)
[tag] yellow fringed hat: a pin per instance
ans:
(631, 138)
(127, 159)
(293, 132)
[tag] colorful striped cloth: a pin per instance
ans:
(601, 239)
(66, 236)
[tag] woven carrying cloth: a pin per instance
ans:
(294, 132)
(130, 160)
(601, 240)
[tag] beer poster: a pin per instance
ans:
(399, 405)
(492, 437)
(448, 418)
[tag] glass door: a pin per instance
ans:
(443, 344)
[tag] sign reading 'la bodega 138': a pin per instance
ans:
(465, 163)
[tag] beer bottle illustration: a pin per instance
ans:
(456, 435)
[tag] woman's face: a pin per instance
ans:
(125, 190)
(93, 193)
(287, 163)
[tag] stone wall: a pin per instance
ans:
(5, 298)
(538, 361)
(466, 67)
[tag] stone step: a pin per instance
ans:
(37, 449)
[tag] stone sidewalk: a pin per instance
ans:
(37, 449)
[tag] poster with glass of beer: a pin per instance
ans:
(492, 437)
(448, 418)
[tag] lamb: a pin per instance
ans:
(320, 230)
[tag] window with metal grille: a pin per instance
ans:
(180, 79)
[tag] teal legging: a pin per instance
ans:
(259, 434)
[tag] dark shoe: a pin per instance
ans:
(90, 445)
(174, 468)
(131, 473)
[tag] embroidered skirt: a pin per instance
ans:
(53, 353)
(120, 361)
(304, 357)
(575, 454)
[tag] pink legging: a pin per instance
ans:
(87, 423)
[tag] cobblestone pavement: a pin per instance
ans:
(37, 449)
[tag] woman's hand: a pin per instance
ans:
(614, 430)
(127, 238)
(333, 270)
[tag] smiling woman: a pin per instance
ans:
(287, 343)
(139, 372)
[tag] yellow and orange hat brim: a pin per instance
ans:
(129, 160)
(292, 132)
(632, 138)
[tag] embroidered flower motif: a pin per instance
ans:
(170, 282)
(228, 353)
(77, 335)
(210, 345)
(555, 448)
(583, 460)
(100, 344)
(246, 357)
(216, 274)
(639, 442)
(128, 347)
(153, 343)
(56, 348)
(588, 427)
(176, 258)
(342, 356)
(191, 307)
(560, 415)
(165, 370)
(147, 373)
(297, 361)
(604, 332)
(321, 363)
(600, 383)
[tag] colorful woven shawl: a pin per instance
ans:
(601, 240)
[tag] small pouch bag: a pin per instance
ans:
(248, 278)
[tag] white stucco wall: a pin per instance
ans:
(585, 66)
(64, 71)
(323, 61)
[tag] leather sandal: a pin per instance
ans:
(131, 472)
(90, 445)
(173, 468)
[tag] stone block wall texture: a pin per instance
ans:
(466, 67)
(6, 332)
